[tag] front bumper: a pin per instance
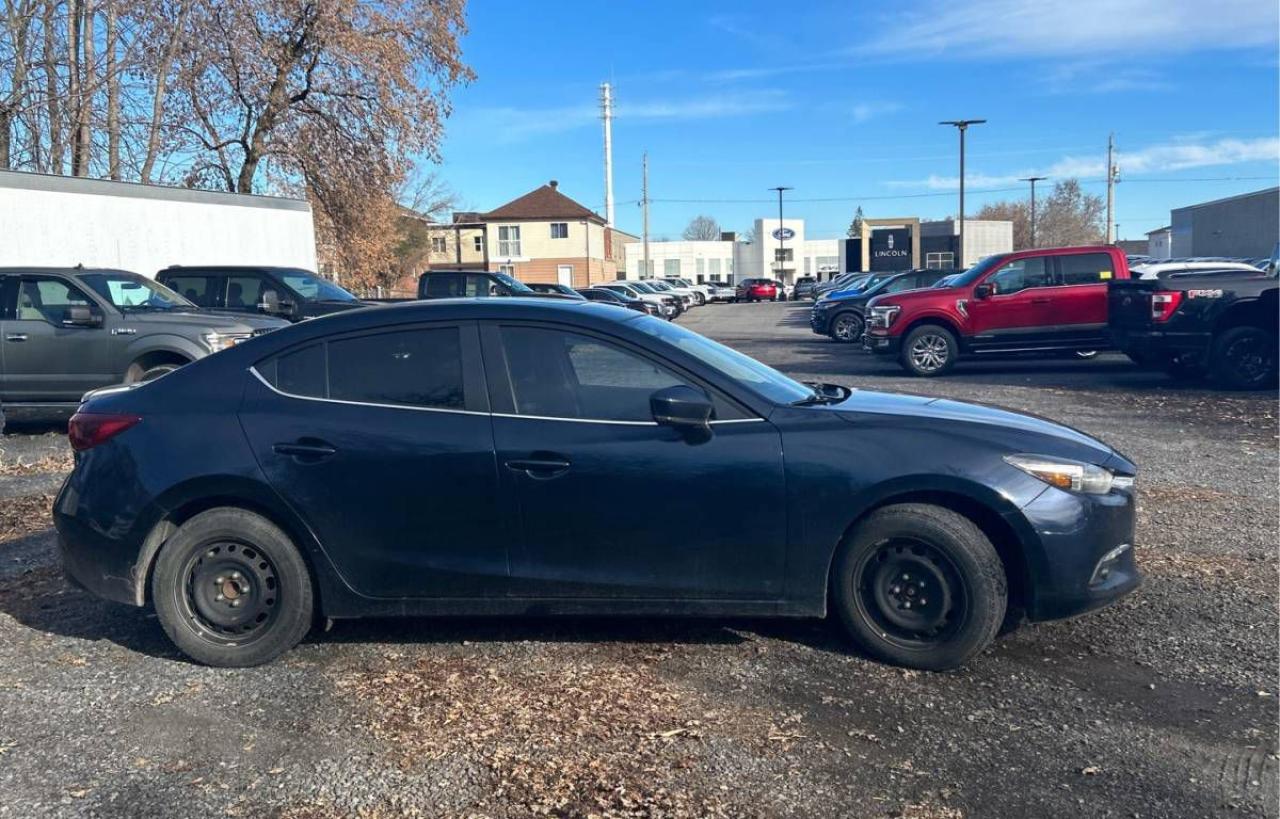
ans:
(819, 321)
(877, 340)
(1075, 533)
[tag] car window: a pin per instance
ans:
(243, 292)
(412, 368)
(481, 287)
(48, 300)
(1019, 275)
(899, 284)
(196, 289)
(444, 285)
(1086, 268)
(559, 374)
(312, 287)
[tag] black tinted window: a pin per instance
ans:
(443, 285)
(301, 372)
(417, 368)
(243, 292)
(196, 289)
(1086, 268)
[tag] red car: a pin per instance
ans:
(756, 290)
(1030, 301)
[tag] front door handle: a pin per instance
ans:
(539, 468)
(306, 450)
(16, 337)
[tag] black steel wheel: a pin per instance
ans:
(911, 590)
(230, 592)
(1244, 358)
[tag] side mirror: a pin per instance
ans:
(983, 291)
(681, 407)
(273, 305)
(80, 316)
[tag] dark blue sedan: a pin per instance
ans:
(465, 457)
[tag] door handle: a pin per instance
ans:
(1041, 301)
(16, 337)
(306, 450)
(539, 468)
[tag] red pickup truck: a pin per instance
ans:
(1031, 301)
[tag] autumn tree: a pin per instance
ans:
(701, 229)
(1017, 211)
(1067, 216)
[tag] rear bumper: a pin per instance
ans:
(1156, 344)
(102, 565)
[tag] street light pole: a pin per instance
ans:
(782, 236)
(1033, 180)
(962, 125)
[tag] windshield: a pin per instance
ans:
(642, 287)
(129, 291)
(314, 288)
(661, 287)
(976, 272)
(515, 285)
(746, 371)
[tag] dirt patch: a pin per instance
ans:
(52, 463)
(581, 735)
(1164, 493)
(23, 515)
(1192, 565)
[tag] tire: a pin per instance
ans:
(935, 557)
(1243, 358)
(847, 327)
(1183, 368)
(235, 556)
(929, 350)
(700, 299)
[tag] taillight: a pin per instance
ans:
(1164, 304)
(86, 430)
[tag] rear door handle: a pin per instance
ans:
(539, 468)
(16, 337)
(306, 450)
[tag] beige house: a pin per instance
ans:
(543, 236)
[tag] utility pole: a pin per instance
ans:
(1112, 173)
(644, 205)
(1033, 180)
(606, 113)
(782, 234)
(962, 125)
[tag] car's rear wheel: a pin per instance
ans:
(847, 328)
(921, 586)
(1243, 358)
(231, 589)
(929, 350)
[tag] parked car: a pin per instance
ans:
(842, 314)
(619, 298)
(1222, 324)
(290, 293)
(804, 286)
(701, 292)
(669, 305)
(687, 297)
(756, 290)
(378, 463)
(1160, 270)
(66, 331)
(721, 291)
(448, 284)
(783, 291)
(1030, 301)
(840, 282)
(564, 291)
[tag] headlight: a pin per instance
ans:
(1073, 476)
(883, 316)
(223, 341)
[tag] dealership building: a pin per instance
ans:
(783, 251)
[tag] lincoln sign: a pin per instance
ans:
(891, 249)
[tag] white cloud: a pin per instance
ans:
(1178, 155)
(864, 111)
(1046, 28)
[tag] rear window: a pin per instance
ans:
(411, 368)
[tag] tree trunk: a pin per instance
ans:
(53, 110)
(6, 137)
(113, 95)
(75, 10)
(158, 103)
(84, 134)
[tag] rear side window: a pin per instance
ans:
(196, 289)
(411, 368)
(1086, 268)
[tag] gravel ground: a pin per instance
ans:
(1162, 705)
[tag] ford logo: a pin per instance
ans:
(784, 233)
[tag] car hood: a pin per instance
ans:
(213, 321)
(1057, 439)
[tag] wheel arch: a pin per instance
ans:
(1260, 312)
(945, 322)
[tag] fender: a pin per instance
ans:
(933, 315)
(164, 342)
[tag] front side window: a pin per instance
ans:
(1019, 275)
(559, 374)
(243, 292)
(411, 368)
(508, 240)
(559, 230)
(47, 300)
(1086, 268)
(129, 291)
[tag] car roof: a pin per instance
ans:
(65, 271)
(229, 268)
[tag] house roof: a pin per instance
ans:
(1159, 230)
(546, 202)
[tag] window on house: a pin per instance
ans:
(479, 244)
(700, 268)
(508, 240)
(438, 244)
(713, 268)
(509, 269)
(784, 254)
(559, 230)
(670, 267)
(939, 261)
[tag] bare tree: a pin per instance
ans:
(701, 229)
(1067, 216)
(1017, 211)
(16, 45)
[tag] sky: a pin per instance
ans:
(841, 100)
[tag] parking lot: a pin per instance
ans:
(1162, 705)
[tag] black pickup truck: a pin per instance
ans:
(1220, 324)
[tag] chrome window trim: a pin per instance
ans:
(273, 388)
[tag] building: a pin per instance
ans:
(542, 236)
(1160, 243)
(1245, 226)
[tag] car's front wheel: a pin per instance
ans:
(847, 328)
(231, 589)
(921, 586)
(929, 350)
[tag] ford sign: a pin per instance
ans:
(784, 233)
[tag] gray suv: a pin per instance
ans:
(65, 331)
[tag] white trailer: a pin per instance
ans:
(62, 221)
